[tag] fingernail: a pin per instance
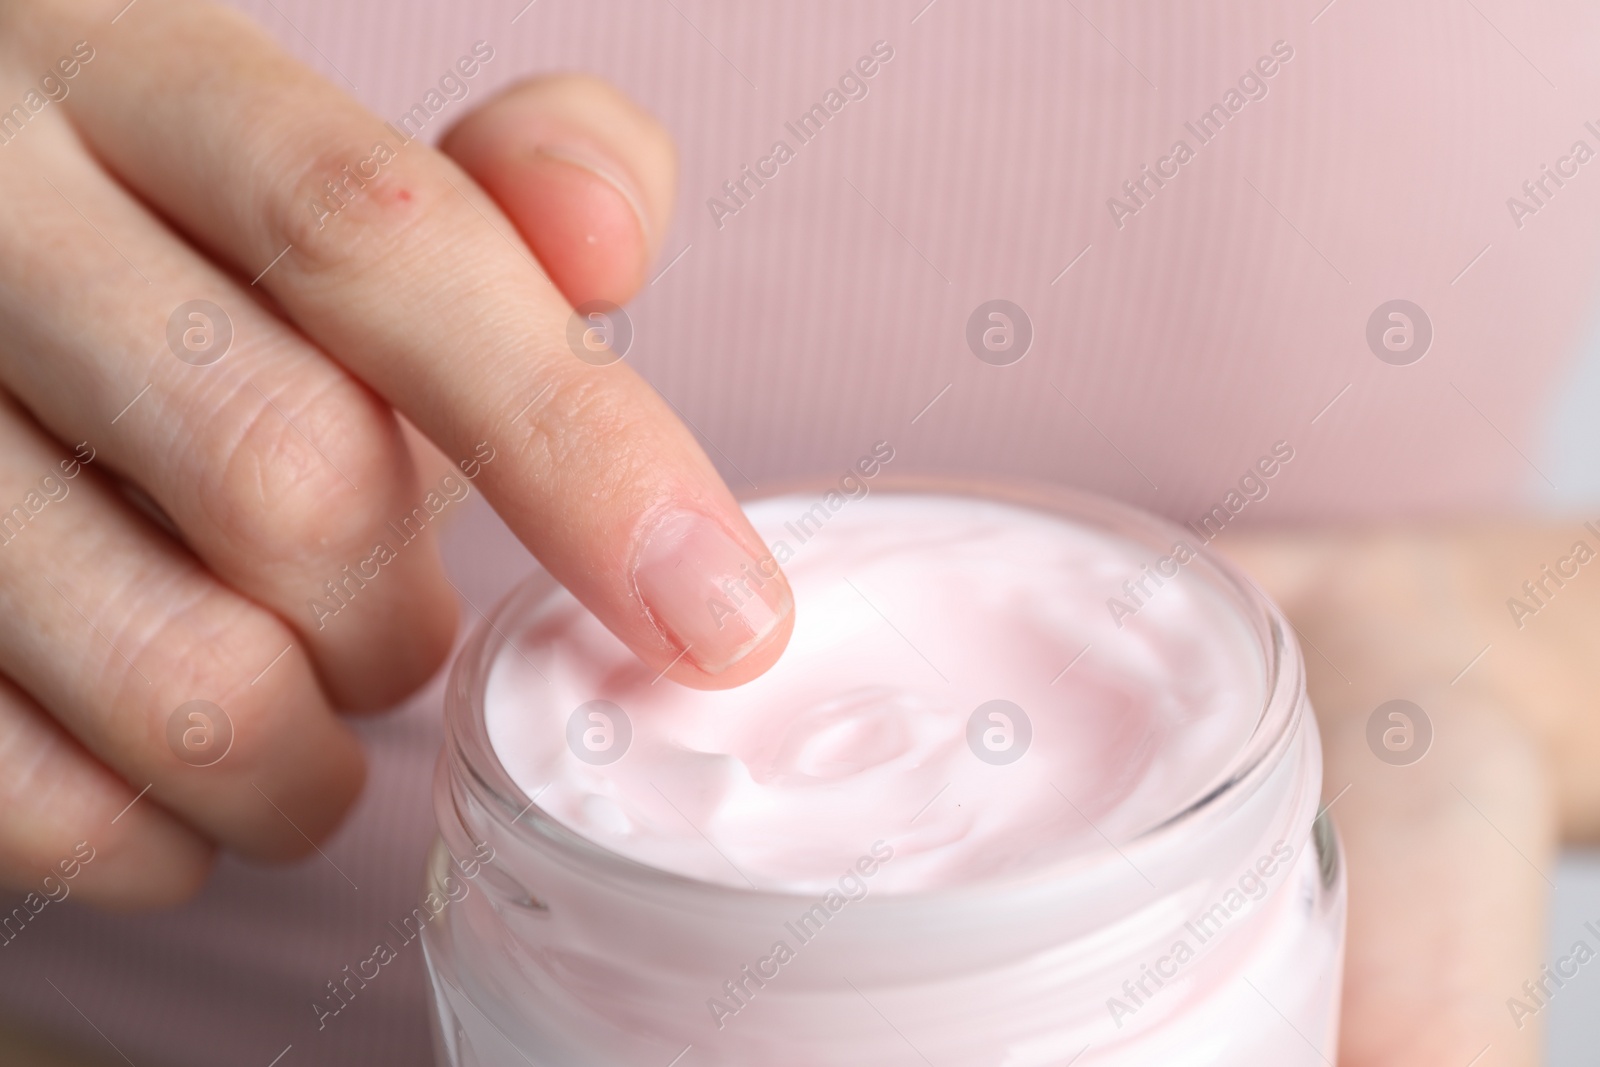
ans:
(602, 168)
(705, 592)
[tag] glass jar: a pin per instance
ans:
(1213, 936)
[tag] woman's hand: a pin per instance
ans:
(222, 284)
(1450, 846)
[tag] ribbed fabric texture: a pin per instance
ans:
(830, 311)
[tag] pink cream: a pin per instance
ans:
(910, 614)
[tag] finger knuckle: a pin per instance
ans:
(357, 195)
(212, 649)
(580, 430)
(287, 490)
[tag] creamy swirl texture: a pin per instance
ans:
(956, 688)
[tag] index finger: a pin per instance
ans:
(399, 266)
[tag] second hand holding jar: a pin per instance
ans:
(977, 814)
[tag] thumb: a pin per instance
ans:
(584, 173)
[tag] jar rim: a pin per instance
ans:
(470, 752)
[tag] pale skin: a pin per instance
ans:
(1449, 857)
(430, 315)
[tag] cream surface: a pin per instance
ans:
(912, 611)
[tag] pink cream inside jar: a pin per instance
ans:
(1030, 782)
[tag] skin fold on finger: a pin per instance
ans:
(284, 474)
(398, 265)
(583, 172)
(166, 676)
(71, 828)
